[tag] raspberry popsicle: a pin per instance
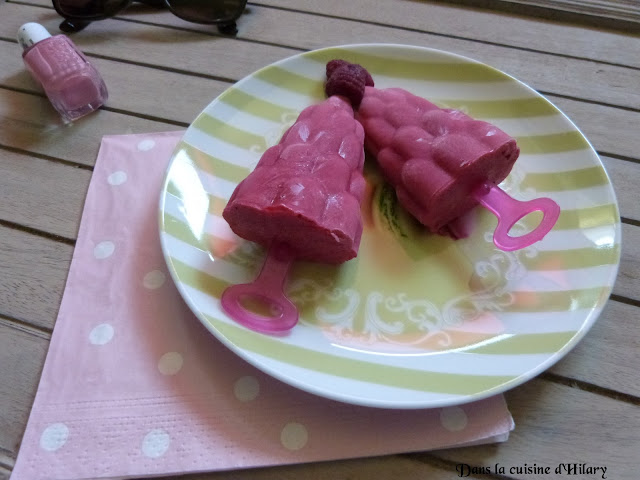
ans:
(305, 191)
(434, 158)
(302, 202)
(442, 162)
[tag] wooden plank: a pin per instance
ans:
(626, 9)
(607, 128)
(30, 123)
(32, 276)
(602, 356)
(5, 473)
(623, 178)
(599, 82)
(628, 281)
(621, 15)
(558, 424)
(623, 9)
(448, 20)
(55, 203)
(22, 354)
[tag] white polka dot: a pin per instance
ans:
(453, 419)
(54, 437)
(294, 436)
(101, 334)
(103, 250)
(117, 178)
(153, 280)
(246, 388)
(155, 443)
(146, 145)
(170, 363)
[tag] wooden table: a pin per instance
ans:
(586, 408)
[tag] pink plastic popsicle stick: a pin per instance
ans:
(509, 211)
(268, 289)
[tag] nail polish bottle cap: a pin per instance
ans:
(31, 33)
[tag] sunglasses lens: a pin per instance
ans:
(90, 8)
(208, 11)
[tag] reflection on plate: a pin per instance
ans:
(416, 320)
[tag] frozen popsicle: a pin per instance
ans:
(433, 157)
(442, 162)
(301, 202)
(305, 191)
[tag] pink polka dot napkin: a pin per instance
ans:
(134, 385)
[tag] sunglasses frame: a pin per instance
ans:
(74, 23)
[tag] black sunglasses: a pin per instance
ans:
(223, 13)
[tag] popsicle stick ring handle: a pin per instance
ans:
(509, 211)
(267, 292)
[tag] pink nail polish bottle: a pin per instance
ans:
(73, 85)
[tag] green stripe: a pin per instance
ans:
(588, 217)
(379, 374)
(534, 302)
(313, 87)
(457, 70)
(552, 143)
(177, 229)
(215, 166)
(256, 106)
(572, 259)
(216, 205)
(531, 343)
(173, 189)
(198, 279)
(563, 181)
(230, 134)
(513, 108)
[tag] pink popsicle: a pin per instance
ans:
(434, 158)
(302, 202)
(305, 192)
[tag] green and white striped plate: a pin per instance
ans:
(416, 320)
